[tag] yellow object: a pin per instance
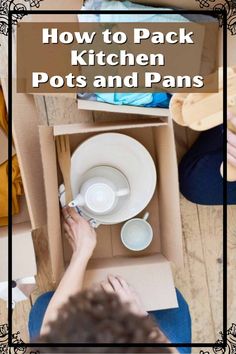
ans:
(3, 113)
(17, 189)
(17, 186)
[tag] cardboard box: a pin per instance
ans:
(109, 255)
(32, 203)
(146, 270)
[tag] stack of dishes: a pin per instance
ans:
(113, 177)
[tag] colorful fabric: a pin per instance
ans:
(3, 113)
(17, 186)
(136, 99)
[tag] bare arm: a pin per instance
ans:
(82, 239)
(231, 137)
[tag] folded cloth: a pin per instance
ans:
(125, 5)
(160, 99)
(135, 99)
(17, 186)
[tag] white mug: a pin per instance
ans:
(137, 233)
(98, 196)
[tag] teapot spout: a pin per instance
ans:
(78, 201)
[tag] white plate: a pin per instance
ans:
(128, 156)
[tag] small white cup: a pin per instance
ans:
(137, 234)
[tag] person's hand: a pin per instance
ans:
(231, 138)
(81, 236)
(127, 295)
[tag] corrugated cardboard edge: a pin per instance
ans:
(23, 256)
(106, 107)
(48, 153)
(101, 127)
(26, 139)
(172, 243)
(140, 272)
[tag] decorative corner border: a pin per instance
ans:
(226, 5)
(5, 349)
(231, 343)
(10, 5)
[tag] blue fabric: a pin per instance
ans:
(199, 171)
(175, 323)
(136, 99)
(160, 99)
(37, 313)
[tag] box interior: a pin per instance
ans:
(110, 255)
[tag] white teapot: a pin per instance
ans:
(98, 196)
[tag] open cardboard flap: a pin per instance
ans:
(110, 256)
(26, 140)
(142, 273)
(23, 256)
(112, 108)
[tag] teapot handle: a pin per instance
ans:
(122, 192)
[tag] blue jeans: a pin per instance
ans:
(175, 323)
(199, 171)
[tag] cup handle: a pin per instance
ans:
(146, 216)
(78, 201)
(122, 192)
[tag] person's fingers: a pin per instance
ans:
(67, 229)
(106, 286)
(75, 215)
(231, 160)
(231, 137)
(66, 214)
(123, 283)
(68, 217)
(115, 283)
(231, 150)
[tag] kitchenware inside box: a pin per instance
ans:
(109, 243)
(113, 177)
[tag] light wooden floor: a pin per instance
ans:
(201, 279)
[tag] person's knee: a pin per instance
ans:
(43, 299)
(188, 181)
(181, 300)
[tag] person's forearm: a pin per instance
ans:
(70, 284)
